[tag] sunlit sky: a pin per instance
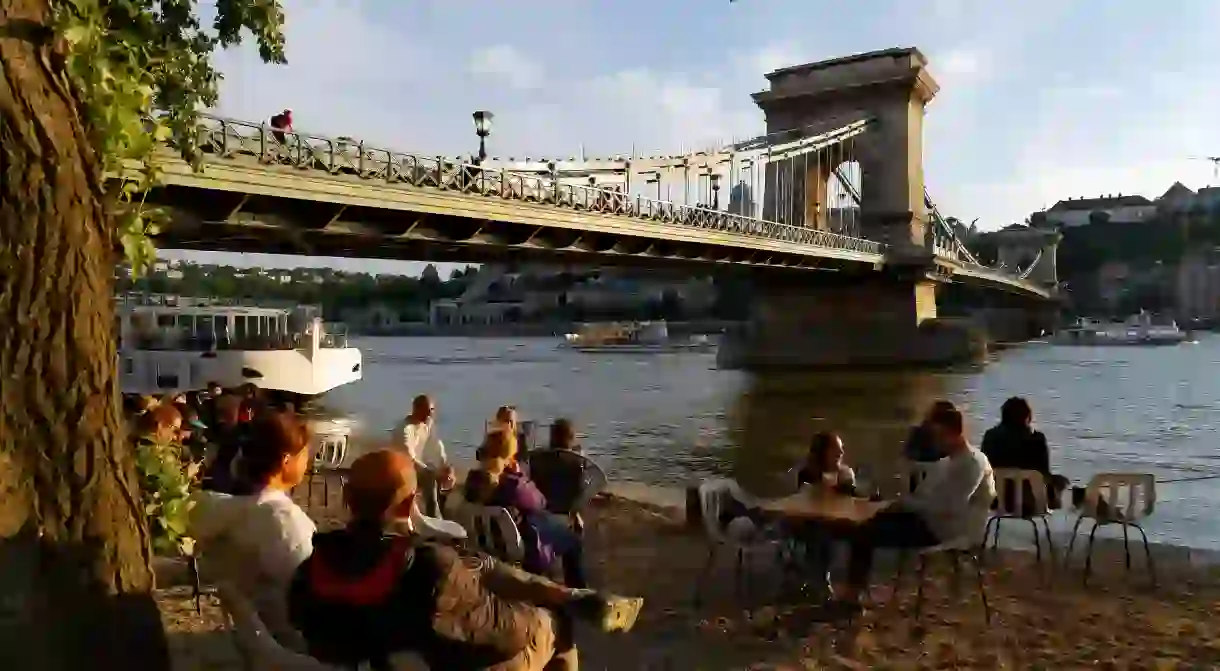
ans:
(1040, 100)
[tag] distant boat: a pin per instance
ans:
(1136, 330)
(632, 338)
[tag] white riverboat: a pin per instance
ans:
(632, 338)
(171, 344)
(1141, 329)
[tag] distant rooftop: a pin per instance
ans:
(893, 52)
(1100, 203)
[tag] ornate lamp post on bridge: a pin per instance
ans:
(715, 177)
(482, 128)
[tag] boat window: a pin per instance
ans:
(129, 365)
(203, 326)
(165, 320)
(220, 324)
(263, 326)
(240, 324)
(186, 322)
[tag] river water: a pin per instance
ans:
(669, 419)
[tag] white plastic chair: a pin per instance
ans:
(1104, 503)
(491, 529)
(969, 545)
(331, 451)
(1012, 503)
(744, 540)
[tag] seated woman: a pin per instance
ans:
(256, 540)
(823, 468)
(824, 465)
(499, 482)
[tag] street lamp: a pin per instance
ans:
(482, 128)
(715, 190)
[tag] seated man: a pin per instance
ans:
(941, 509)
(559, 471)
(366, 594)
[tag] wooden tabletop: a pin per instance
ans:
(810, 504)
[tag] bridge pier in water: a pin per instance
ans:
(876, 320)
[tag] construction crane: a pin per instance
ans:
(1215, 160)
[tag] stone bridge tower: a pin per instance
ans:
(870, 318)
(1020, 246)
(892, 87)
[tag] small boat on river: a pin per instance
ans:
(1141, 329)
(632, 338)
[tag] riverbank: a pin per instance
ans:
(1040, 621)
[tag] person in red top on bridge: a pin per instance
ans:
(281, 123)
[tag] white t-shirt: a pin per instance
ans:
(256, 543)
(953, 493)
(422, 442)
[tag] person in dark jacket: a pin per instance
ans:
(366, 593)
(1013, 443)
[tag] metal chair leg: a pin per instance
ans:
(923, 565)
(739, 574)
(991, 521)
(1126, 547)
(703, 574)
(978, 571)
(1088, 557)
(1147, 554)
(903, 557)
(1067, 556)
(1050, 544)
(192, 565)
(1037, 541)
(995, 541)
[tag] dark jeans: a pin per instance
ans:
(889, 529)
(567, 545)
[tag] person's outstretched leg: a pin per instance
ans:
(608, 612)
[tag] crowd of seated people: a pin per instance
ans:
(388, 582)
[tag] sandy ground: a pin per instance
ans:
(1041, 619)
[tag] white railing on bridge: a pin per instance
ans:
(229, 138)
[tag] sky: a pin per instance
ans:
(1040, 99)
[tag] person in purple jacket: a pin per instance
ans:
(499, 482)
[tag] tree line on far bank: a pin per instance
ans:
(408, 298)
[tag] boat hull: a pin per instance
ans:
(639, 349)
(292, 371)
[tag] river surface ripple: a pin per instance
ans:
(672, 418)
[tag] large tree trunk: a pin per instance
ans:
(75, 581)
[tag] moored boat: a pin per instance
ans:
(171, 344)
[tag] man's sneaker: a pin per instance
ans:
(608, 613)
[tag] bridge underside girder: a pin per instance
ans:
(218, 220)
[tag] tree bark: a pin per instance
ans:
(75, 577)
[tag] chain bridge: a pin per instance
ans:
(829, 200)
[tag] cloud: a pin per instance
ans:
(505, 64)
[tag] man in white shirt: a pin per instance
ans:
(417, 436)
(943, 508)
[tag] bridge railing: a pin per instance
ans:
(229, 138)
